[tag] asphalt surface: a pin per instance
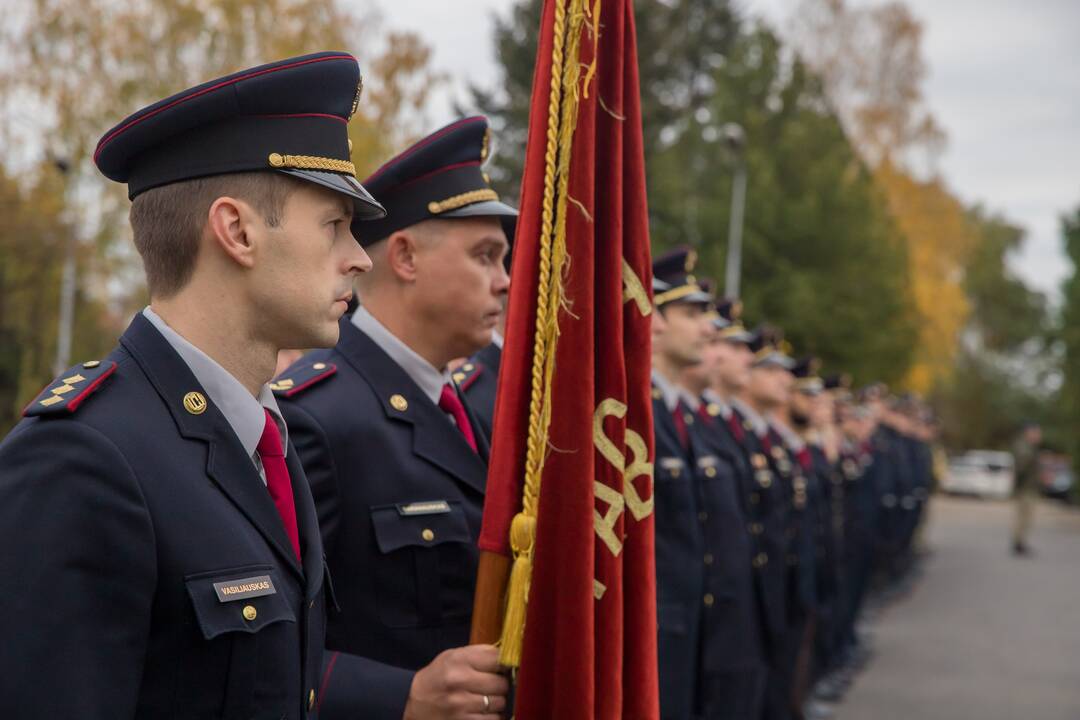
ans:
(983, 635)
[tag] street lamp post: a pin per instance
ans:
(735, 139)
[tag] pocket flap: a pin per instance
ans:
(239, 600)
(395, 528)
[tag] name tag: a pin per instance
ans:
(244, 588)
(428, 507)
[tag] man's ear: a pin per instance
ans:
(230, 223)
(401, 249)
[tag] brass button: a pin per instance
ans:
(710, 472)
(399, 403)
(761, 560)
(311, 699)
(319, 366)
(688, 418)
(428, 534)
(250, 612)
(703, 516)
(708, 559)
(709, 599)
(91, 364)
(468, 367)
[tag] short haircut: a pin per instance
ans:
(168, 221)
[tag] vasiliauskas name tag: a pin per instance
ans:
(244, 588)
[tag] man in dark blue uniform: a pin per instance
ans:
(161, 550)
(733, 656)
(780, 498)
(396, 461)
(679, 332)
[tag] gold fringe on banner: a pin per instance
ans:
(570, 18)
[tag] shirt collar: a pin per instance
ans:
(791, 438)
(497, 339)
(761, 428)
(711, 396)
(424, 374)
(668, 391)
(689, 399)
(244, 412)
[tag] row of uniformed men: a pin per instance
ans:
(777, 497)
(180, 565)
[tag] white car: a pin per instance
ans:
(983, 473)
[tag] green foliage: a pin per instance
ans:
(821, 258)
(1069, 333)
(1004, 311)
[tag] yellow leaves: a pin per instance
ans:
(940, 240)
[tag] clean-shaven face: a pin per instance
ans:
(304, 269)
(461, 283)
(685, 330)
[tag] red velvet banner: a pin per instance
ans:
(590, 630)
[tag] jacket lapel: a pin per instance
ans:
(307, 523)
(434, 437)
(227, 464)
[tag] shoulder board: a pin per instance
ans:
(301, 376)
(65, 394)
(467, 374)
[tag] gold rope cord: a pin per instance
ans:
(562, 120)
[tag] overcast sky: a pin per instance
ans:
(1004, 82)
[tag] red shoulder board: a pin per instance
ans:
(301, 376)
(65, 394)
(466, 375)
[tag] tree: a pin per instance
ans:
(1069, 396)
(815, 220)
(870, 59)
(679, 46)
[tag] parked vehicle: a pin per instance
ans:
(1056, 475)
(981, 473)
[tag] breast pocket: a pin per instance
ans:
(249, 639)
(675, 504)
(426, 571)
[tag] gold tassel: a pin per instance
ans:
(522, 537)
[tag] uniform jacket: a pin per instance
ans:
(400, 496)
(680, 570)
(768, 518)
(478, 380)
(118, 517)
(733, 680)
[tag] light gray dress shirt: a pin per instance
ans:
(244, 412)
(668, 390)
(712, 396)
(424, 374)
(761, 428)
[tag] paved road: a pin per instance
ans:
(984, 635)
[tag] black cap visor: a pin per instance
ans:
(365, 206)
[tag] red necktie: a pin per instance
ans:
(277, 479)
(450, 403)
(736, 427)
(806, 460)
(680, 426)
